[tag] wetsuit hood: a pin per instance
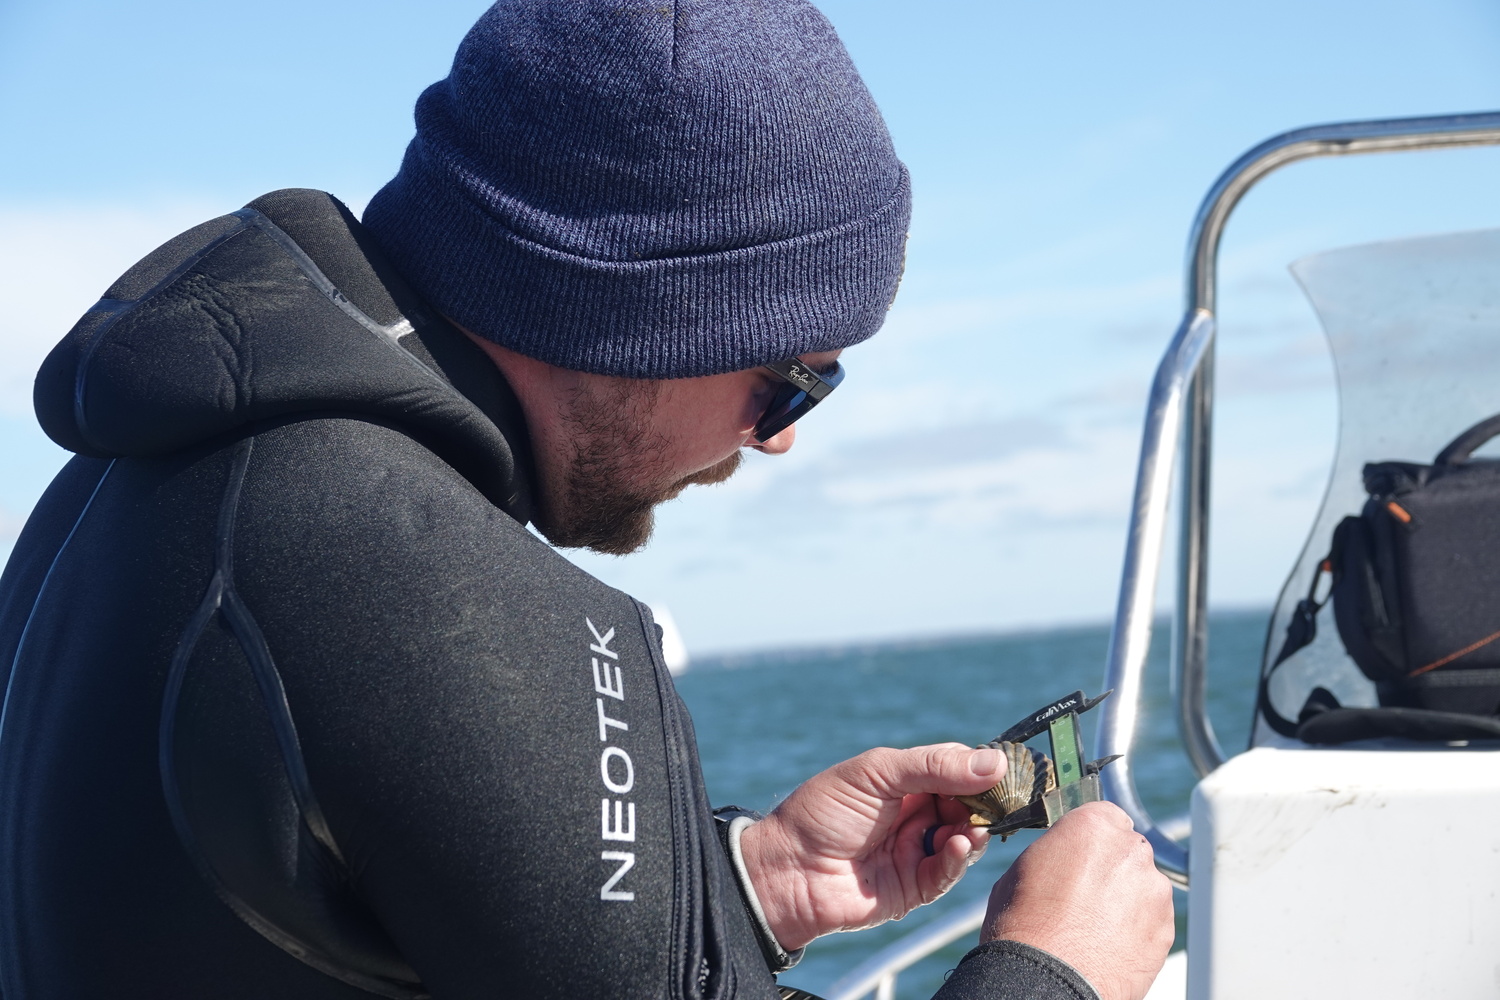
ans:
(284, 310)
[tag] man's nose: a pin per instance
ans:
(779, 443)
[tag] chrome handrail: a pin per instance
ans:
(1178, 425)
(1130, 639)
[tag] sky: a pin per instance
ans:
(974, 471)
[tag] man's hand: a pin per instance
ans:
(1088, 892)
(846, 849)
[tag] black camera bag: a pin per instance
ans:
(1416, 586)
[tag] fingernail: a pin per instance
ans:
(984, 761)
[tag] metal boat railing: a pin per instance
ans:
(1177, 438)
(878, 973)
(1177, 442)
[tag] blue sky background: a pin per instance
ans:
(974, 471)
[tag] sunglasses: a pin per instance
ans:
(803, 389)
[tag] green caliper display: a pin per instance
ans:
(1067, 754)
(1077, 780)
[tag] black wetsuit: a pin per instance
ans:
(298, 708)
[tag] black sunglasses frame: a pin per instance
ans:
(803, 389)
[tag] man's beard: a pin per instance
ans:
(614, 481)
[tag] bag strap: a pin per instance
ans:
(1300, 632)
(1303, 628)
(1460, 448)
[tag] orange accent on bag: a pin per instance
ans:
(1453, 656)
(1398, 512)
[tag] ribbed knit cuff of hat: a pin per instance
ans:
(674, 317)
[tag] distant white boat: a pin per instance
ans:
(673, 651)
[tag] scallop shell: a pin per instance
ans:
(1028, 776)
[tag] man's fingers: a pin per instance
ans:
(979, 842)
(939, 873)
(974, 839)
(942, 769)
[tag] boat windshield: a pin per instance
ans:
(1414, 327)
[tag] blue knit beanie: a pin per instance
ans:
(651, 188)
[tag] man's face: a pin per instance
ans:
(636, 444)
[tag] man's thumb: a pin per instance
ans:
(942, 769)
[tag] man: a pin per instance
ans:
(297, 707)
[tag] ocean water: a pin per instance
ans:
(766, 721)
